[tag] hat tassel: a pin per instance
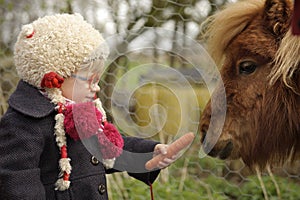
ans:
(65, 167)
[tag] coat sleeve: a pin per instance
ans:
(136, 153)
(20, 150)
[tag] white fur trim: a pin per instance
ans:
(65, 166)
(108, 163)
(98, 104)
(60, 44)
(62, 185)
(55, 95)
(59, 130)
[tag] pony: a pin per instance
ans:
(258, 55)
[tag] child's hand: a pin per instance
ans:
(164, 155)
(163, 149)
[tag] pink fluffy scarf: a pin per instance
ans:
(84, 120)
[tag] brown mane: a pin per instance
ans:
(274, 120)
(219, 29)
(286, 60)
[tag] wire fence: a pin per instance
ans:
(155, 86)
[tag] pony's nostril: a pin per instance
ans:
(226, 150)
(208, 149)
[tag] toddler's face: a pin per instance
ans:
(82, 86)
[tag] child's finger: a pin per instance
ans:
(168, 161)
(165, 163)
(163, 149)
(162, 165)
(160, 149)
(175, 157)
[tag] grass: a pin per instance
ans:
(200, 185)
(194, 178)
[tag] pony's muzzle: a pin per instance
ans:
(221, 150)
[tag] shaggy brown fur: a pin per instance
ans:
(262, 123)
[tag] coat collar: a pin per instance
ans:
(29, 101)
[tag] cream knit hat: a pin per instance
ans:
(57, 43)
(47, 51)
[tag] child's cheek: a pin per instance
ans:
(80, 91)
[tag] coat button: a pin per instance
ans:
(94, 160)
(102, 189)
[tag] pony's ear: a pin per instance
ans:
(277, 16)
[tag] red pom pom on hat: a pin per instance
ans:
(52, 80)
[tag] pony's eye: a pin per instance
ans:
(247, 67)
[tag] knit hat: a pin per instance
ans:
(51, 49)
(57, 43)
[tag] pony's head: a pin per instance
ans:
(259, 58)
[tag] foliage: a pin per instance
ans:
(201, 179)
(211, 187)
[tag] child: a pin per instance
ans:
(53, 115)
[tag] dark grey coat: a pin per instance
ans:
(29, 154)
